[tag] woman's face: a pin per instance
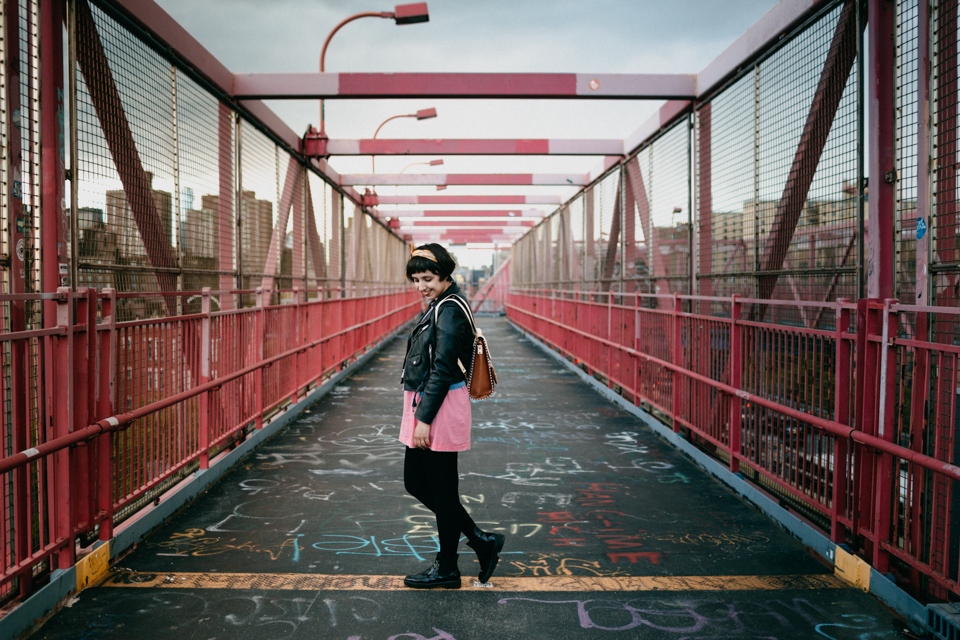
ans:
(430, 285)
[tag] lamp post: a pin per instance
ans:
(432, 163)
(401, 14)
(423, 114)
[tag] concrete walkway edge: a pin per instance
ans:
(880, 586)
(63, 583)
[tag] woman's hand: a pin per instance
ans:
(421, 435)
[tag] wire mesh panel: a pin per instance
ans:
(318, 267)
(259, 176)
(670, 216)
(607, 214)
(727, 184)
(205, 159)
(575, 242)
(907, 30)
(806, 209)
(637, 228)
(945, 226)
(125, 169)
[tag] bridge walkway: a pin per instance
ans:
(611, 533)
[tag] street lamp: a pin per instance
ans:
(402, 14)
(423, 114)
(432, 163)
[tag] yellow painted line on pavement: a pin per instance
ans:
(311, 582)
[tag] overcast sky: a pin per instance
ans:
(599, 36)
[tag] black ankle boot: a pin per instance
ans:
(487, 546)
(442, 574)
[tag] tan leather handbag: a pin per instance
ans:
(481, 377)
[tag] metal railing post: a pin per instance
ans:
(609, 371)
(886, 427)
(106, 407)
(258, 351)
(736, 381)
(84, 389)
(205, 344)
(299, 342)
(841, 414)
(637, 319)
(62, 426)
(676, 358)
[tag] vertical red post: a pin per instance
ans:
(83, 399)
(609, 336)
(880, 99)
(258, 350)
(106, 407)
(886, 425)
(52, 162)
(868, 372)
(705, 187)
(637, 319)
(19, 384)
(62, 426)
(298, 342)
(841, 414)
(52, 150)
(677, 358)
(205, 336)
(225, 206)
(736, 380)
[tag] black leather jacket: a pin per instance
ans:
(431, 365)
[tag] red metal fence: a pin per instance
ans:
(136, 406)
(853, 426)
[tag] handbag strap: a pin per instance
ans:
(460, 303)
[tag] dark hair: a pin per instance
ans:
(443, 267)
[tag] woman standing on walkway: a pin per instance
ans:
(436, 418)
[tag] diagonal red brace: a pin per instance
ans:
(116, 129)
(826, 101)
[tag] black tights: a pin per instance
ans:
(431, 477)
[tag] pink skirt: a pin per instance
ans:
(450, 430)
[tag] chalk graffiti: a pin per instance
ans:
(419, 547)
(855, 622)
(683, 617)
(196, 542)
(549, 564)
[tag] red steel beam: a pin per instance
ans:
(463, 238)
(225, 202)
(704, 287)
(454, 179)
(314, 244)
(470, 223)
(52, 153)
(613, 244)
(292, 191)
(555, 86)
(460, 213)
(474, 147)
(116, 130)
(881, 258)
(826, 101)
(373, 200)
